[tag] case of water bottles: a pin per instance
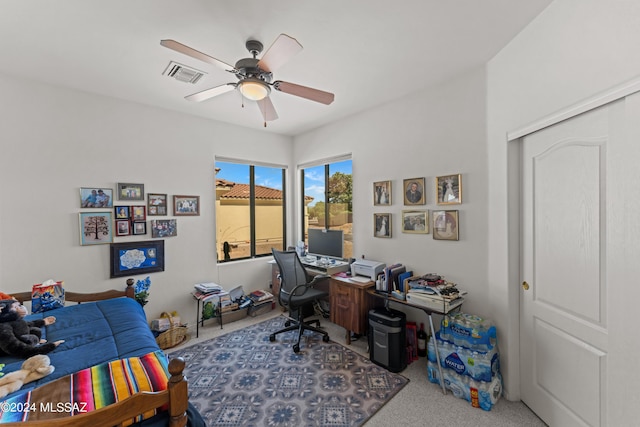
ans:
(480, 394)
(469, 357)
(469, 331)
(479, 365)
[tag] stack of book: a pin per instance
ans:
(261, 302)
(433, 292)
(259, 297)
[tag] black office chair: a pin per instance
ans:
(297, 292)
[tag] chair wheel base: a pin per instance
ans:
(296, 348)
(272, 337)
(325, 338)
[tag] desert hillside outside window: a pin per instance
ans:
(327, 200)
(250, 210)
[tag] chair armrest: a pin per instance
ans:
(317, 279)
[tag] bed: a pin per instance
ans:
(103, 332)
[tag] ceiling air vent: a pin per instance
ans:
(183, 73)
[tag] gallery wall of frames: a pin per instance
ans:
(443, 223)
(107, 214)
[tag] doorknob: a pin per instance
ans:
(525, 286)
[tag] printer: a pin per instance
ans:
(364, 267)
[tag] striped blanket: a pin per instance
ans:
(89, 389)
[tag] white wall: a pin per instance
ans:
(572, 51)
(436, 132)
(55, 141)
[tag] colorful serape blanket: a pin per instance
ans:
(90, 389)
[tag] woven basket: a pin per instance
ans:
(176, 334)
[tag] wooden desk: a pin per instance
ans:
(350, 304)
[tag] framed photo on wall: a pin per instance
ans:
(382, 193)
(156, 204)
(446, 225)
(128, 191)
(416, 222)
(414, 191)
(96, 197)
(131, 258)
(123, 227)
(449, 189)
(186, 205)
(96, 228)
(382, 224)
(139, 227)
(138, 213)
(164, 228)
(122, 212)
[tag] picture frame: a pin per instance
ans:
(415, 222)
(96, 228)
(446, 225)
(156, 204)
(138, 213)
(139, 227)
(96, 197)
(382, 193)
(122, 212)
(132, 258)
(164, 228)
(186, 205)
(449, 189)
(382, 225)
(128, 191)
(414, 191)
(123, 227)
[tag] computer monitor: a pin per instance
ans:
(325, 243)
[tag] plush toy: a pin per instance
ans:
(33, 368)
(19, 337)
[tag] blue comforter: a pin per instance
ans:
(94, 333)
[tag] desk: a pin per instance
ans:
(429, 312)
(349, 304)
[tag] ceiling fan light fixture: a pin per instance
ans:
(254, 89)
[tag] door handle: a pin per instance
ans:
(525, 286)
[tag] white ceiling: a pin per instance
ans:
(367, 52)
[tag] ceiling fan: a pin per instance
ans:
(255, 75)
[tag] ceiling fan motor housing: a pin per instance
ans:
(248, 67)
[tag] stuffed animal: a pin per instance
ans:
(33, 368)
(19, 337)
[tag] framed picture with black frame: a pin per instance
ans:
(131, 258)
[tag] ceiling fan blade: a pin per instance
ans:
(210, 93)
(304, 92)
(267, 109)
(282, 49)
(186, 50)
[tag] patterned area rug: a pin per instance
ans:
(242, 379)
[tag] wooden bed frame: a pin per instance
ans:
(176, 396)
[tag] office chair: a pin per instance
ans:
(297, 291)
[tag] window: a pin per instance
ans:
(250, 210)
(327, 200)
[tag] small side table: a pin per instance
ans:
(199, 319)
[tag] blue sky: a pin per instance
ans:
(272, 178)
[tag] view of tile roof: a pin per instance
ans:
(241, 191)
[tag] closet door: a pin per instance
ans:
(563, 325)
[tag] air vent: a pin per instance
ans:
(183, 73)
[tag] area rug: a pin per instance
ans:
(243, 379)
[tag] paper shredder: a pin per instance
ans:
(387, 338)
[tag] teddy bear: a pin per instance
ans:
(19, 337)
(33, 368)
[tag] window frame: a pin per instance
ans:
(252, 207)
